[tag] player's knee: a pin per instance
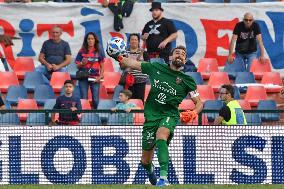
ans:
(162, 134)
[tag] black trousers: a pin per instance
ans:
(138, 91)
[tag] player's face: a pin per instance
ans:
(156, 14)
(56, 33)
(91, 41)
(179, 57)
(248, 20)
(134, 43)
(68, 88)
(123, 98)
(223, 94)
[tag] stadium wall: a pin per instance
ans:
(111, 154)
(205, 29)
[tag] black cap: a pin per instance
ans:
(156, 5)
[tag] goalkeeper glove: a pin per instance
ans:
(188, 116)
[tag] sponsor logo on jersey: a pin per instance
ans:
(165, 87)
(178, 80)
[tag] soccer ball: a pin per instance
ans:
(116, 46)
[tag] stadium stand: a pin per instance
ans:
(36, 119)
(57, 80)
(272, 78)
(10, 119)
(233, 68)
(72, 69)
(259, 68)
(186, 104)
(255, 94)
(90, 119)
(85, 104)
(217, 79)
(32, 79)
(212, 105)
(196, 76)
(253, 119)
(49, 104)
(111, 80)
(157, 60)
(244, 78)
(108, 65)
(26, 104)
(244, 104)
(15, 93)
(268, 105)
(205, 92)
(7, 79)
(23, 65)
(137, 102)
(206, 66)
(116, 93)
(43, 93)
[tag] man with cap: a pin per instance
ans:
(159, 33)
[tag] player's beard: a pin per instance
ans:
(177, 63)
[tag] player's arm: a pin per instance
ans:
(198, 104)
(129, 63)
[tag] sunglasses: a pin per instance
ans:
(248, 20)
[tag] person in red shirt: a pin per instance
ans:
(90, 59)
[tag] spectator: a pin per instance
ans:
(55, 54)
(89, 60)
(246, 34)
(2, 104)
(159, 33)
(135, 52)
(67, 102)
(231, 113)
(124, 104)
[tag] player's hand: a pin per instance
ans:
(163, 44)
(230, 59)
(7, 40)
(188, 116)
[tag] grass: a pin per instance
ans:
(88, 186)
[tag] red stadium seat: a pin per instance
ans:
(26, 104)
(108, 65)
(57, 80)
(85, 104)
(217, 79)
(111, 80)
(147, 90)
(8, 79)
(259, 68)
(206, 66)
(23, 65)
(186, 104)
(255, 94)
(205, 92)
(138, 103)
(139, 118)
(103, 93)
(272, 78)
(244, 104)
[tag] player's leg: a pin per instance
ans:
(148, 147)
(163, 137)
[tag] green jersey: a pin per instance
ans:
(168, 89)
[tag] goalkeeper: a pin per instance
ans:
(169, 86)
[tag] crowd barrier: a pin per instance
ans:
(110, 154)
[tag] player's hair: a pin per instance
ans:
(135, 34)
(127, 93)
(85, 45)
(178, 47)
(230, 89)
(69, 82)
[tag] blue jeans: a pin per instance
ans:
(47, 74)
(95, 89)
(246, 58)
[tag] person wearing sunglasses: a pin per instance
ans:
(231, 113)
(246, 36)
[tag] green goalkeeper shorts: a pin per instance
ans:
(150, 129)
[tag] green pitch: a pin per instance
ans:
(141, 187)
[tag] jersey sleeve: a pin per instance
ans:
(147, 68)
(237, 29)
(257, 30)
(225, 113)
(171, 27)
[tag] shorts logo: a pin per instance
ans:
(161, 98)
